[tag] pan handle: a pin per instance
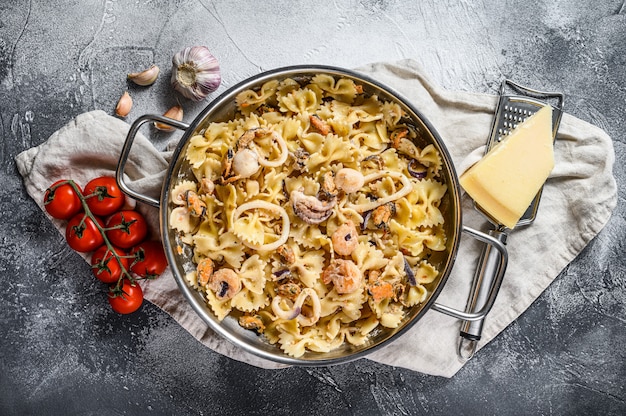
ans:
(130, 138)
(503, 258)
(487, 265)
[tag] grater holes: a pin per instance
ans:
(510, 117)
(509, 125)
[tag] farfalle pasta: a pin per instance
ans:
(313, 214)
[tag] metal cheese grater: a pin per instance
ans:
(516, 103)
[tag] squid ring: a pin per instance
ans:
(284, 152)
(296, 309)
(407, 187)
(248, 137)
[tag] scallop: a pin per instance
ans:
(246, 163)
(349, 180)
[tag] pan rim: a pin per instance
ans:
(316, 359)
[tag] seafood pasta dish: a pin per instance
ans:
(312, 214)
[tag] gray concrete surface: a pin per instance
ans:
(62, 352)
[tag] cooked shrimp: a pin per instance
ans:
(345, 239)
(225, 283)
(344, 274)
(204, 271)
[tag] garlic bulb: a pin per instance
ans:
(195, 72)
(175, 113)
(124, 105)
(145, 78)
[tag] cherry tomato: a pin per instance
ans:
(104, 197)
(106, 267)
(127, 228)
(82, 234)
(129, 300)
(62, 201)
(150, 260)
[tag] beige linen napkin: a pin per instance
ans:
(577, 201)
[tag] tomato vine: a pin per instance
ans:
(131, 233)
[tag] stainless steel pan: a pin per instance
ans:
(222, 109)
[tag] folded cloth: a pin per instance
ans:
(577, 201)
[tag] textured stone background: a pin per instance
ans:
(63, 352)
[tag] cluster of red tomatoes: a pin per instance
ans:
(99, 223)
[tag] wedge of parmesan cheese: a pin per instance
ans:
(505, 181)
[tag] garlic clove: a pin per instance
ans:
(195, 72)
(124, 105)
(175, 113)
(146, 77)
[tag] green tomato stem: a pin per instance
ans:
(125, 273)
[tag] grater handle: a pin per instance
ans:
(486, 271)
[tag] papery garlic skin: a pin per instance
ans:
(195, 72)
(145, 78)
(124, 105)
